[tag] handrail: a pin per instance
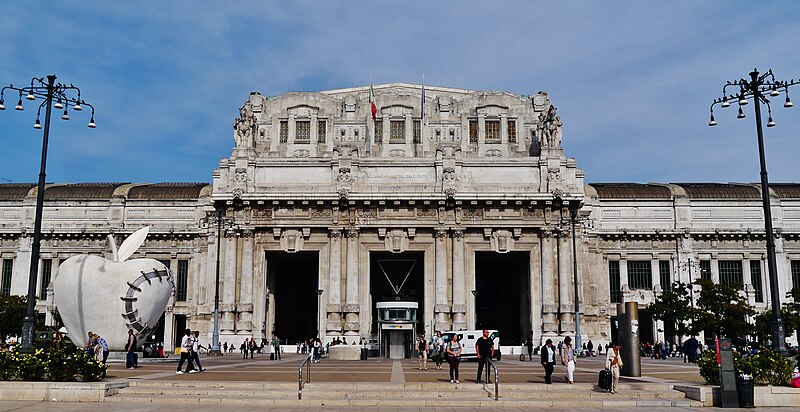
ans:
(493, 366)
(300, 376)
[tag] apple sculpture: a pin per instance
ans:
(109, 297)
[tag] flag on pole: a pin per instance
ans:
(373, 106)
(422, 111)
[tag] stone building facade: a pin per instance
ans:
(457, 199)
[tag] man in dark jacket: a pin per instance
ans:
(130, 349)
(548, 360)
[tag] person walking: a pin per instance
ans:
(453, 355)
(614, 364)
(90, 342)
(251, 347)
(225, 347)
(484, 348)
(244, 348)
(130, 351)
(438, 349)
(548, 361)
(276, 347)
(529, 345)
(196, 351)
(317, 350)
(186, 349)
(422, 352)
(568, 359)
(590, 346)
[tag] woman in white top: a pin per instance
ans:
(614, 364)
(568, 359)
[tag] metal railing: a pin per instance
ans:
(300, 382)
(492, 365)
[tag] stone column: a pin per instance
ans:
(442, 309)
(459, 282)
(169, 329)
(564, 281)
(245, 324)
(481, 129)
(623, 276)
(229, 285)
(655, 274)
(409, 123)
(352, 307)
(549, 306)
(748, 282)
(291, 129)
(503, 129)
(782, 266)
(335, 283)
(714, 269)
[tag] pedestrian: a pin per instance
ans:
(251, 347)
(438, 350)
(529, 344)
(225, 347)
(317, 350)
(103, 348)
(89, 346)
(568, 359)
(244, 347)
(548, 360)
(186, 349)
(196, 351)
(422, 352)
(590, 346)
(276, 347)
(130, 349)
(614, 364)
(484, 348)
(453, 356)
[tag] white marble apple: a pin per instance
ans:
(108, 297)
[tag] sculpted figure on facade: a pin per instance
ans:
(245, 127)
(548, 130)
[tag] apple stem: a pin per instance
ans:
(113, 246)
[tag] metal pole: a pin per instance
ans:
(28, 321)
(215, 338)
(777, 325)
(574, 213)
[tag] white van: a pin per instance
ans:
(468, 338)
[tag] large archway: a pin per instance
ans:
(502, 295)
(293, 279)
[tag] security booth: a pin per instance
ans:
(397, 324)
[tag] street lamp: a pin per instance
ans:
(758, 88)
(319, 310)
(475, 306)
(219, 220)
(66, 96)
(573, 214)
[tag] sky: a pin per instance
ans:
(632, 80)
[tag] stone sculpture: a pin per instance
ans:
(245, 127)
(548, 130)
(108, 297)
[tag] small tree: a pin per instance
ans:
(722, 309)
(673, 306)
(12, 310)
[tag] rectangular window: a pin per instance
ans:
(397, 131)
(613, 281)
(795, 265)
(302, 131)
(322, 130)
(47, 271)
(492, 128)
(640, 274)
(378, 131)
(512, 131)
(473, 131)
(755, 279)
(705, 269)
(664, 274)
(8, 269)
(417, 132)
(730, 273)
(166, 262)
(284, 132)
(182, 280)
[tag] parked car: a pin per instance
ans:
(468, 338)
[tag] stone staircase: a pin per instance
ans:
(437, 394)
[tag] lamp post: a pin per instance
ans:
(758, 88)
(475, 306)
(573, 213)
(66, 96)
(319, 310)
(219, 220)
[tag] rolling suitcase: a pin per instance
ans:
(604, 379)
(272, 356)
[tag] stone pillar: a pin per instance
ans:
(335, 283)
(245, 324)
(352, 307)
(503, 129)
(481, 129)
(714, 269)
(783, 267)
(564, 280)
(442, 308)
(549, 306)
(292, 126)
(459, 282)
(409, 123)
(655, 274)
(169, 329)
(229, 285)
(748, 282)
(623, 275)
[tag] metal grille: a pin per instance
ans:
(705, 269)
(640, 274)
(378, 131)
(322, 130)
(302, 131)
(795, 273)
(664, 274)
(8, 269)
(284, 133)
(492, 128)
(473, 131)
(397, 131)
(730, 273)
(613, 281)
(182, 280)
(755, 279)
(512, 131)
(47, 271)
(417, 132)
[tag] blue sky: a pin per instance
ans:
(633, 80)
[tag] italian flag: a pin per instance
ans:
(372, 104)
